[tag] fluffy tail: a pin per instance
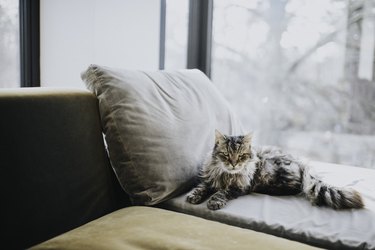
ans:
(322, 194)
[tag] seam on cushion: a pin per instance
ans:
(90, 76)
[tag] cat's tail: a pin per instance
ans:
(322, 194)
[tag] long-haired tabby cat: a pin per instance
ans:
(236, 168)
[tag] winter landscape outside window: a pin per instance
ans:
(176, 32)
(300, 74)
(9, 44)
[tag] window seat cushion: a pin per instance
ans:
(293, 217)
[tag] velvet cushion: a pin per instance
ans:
(55, 172)
(152, 228)
(158, 126)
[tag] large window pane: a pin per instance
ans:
(9, 44)
(300, 74)
(176, 32)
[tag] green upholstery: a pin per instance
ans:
(56, 176)
(55, 173)
(152, 228)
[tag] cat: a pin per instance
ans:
(235, 167)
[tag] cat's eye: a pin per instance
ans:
(243, 156)
(224, 155)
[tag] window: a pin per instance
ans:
(176, 34)
(9, 44)
(19, 43)
(300, 74)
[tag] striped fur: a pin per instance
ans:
(235, 168)
(323, 194)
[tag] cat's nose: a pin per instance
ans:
(233, 162)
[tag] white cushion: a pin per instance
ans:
(293, 217)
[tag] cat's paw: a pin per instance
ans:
(194, 198)
(214, 204)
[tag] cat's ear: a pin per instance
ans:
(248, 138)
(218, 136)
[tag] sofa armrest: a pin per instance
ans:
(55, 173)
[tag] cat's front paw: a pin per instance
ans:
(214, 204)
(194, 198)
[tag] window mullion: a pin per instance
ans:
(200, 35)
(30, 43)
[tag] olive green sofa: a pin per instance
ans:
(59, 191)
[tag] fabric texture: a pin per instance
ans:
(55, 172)
(153, 228)
(293, 217)
(158, 126)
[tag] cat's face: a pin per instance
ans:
(234, 152)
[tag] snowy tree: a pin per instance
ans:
(290, 69)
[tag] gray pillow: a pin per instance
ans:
(158, 126)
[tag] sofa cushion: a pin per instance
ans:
(295, 218)
(159, 127)
(153, 228)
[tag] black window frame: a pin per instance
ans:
(29, 14)
(199, 35)
(163, 13)
(198, 51)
